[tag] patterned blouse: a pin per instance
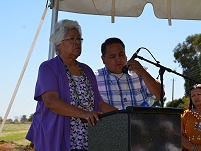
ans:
(79, 130)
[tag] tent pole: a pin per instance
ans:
(24, 69)
(55, 7)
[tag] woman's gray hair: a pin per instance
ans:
(60, 29)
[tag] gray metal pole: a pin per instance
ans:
(172, 91)
(55, 9)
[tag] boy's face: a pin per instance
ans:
(115, 58)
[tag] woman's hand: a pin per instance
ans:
(91, 117)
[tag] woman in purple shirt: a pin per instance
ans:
(66, 91)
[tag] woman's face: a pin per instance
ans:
(196, 97)
(71, 45)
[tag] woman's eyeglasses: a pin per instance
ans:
(73, 40)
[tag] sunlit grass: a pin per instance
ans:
(15, 133)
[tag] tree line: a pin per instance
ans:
(187, 55)
(17, 119)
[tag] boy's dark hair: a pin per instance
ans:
(110, 41)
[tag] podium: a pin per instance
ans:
(137, 129)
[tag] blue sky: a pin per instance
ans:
(20, 20)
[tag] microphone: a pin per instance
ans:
(125, 68)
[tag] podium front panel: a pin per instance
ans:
(155, 132)
(137, 129)
(110, 134)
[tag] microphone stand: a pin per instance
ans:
(161, 72)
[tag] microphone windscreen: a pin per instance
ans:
(125, 69)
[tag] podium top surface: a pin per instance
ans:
(145, 110)
(160, 110)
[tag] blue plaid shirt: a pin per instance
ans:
(122, 90)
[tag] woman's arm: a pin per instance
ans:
(185, 143)
(53, 102)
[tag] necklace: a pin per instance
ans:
(118, 90)
(118, 77)
(89, 89)
(198, 116)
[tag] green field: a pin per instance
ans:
(15, 133)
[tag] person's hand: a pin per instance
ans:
(134, 65)
(91, 117)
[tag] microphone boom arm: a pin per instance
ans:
(161, 72)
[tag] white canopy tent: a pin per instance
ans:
(163, 9)
(176, 9)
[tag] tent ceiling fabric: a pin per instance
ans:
(164, 9)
